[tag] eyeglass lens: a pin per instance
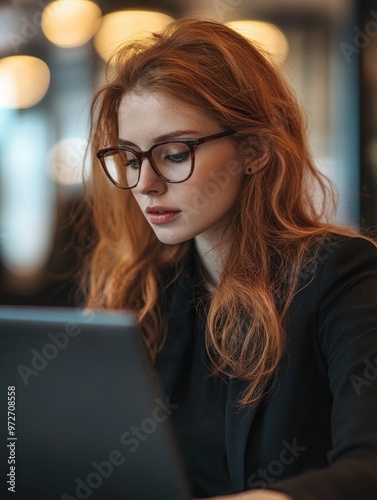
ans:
(171, 160)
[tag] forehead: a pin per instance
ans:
(158, 111)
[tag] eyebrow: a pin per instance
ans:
(175, 134)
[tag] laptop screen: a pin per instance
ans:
(82, 414)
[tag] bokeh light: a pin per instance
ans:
(70, 23)
(267, 36)
(24, 80)
(122, 26)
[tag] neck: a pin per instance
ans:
(212, 256)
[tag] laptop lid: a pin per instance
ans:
(82, 415)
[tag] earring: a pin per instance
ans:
(249, 170)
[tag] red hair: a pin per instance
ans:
(280, 215)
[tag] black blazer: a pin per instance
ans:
(315, 437)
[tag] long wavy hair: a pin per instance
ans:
(280, 216)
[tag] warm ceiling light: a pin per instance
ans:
(271, 40)
(70, 23)
(123, 26)
(24, 80)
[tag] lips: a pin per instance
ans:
(161, 215)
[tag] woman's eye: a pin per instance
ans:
(178, 157)
(132, 164)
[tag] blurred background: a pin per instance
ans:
(53, 56)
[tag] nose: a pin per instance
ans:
(149, 181)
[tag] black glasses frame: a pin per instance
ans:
(191, 143)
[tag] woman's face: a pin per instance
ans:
(205, 202)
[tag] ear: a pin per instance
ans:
(258, 159)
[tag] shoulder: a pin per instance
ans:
(345, 262)
(344, 256)
(335, 256)
(347, 288)
(334, 242)
(339, 280)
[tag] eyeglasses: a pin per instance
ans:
(172, 161)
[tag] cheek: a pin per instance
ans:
(222, 187)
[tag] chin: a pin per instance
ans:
(173, 239)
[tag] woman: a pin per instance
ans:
(259, 316)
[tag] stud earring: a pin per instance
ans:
(249, 170)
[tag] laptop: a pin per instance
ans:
(82, 414)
